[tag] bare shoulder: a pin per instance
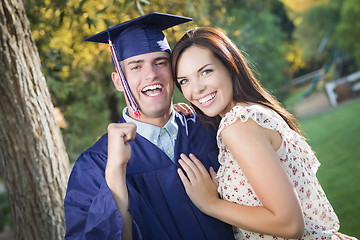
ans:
(243, 130)
(250, 132)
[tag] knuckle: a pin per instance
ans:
(111, 126)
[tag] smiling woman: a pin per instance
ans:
(205, 81)
(267, 178)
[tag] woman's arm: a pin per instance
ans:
(251, 146)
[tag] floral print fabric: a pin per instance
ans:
(300, 163)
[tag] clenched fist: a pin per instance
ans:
(119, 150)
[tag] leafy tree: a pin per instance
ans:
(262, 34)
(347, 31)
(317, 26)
(328, 33)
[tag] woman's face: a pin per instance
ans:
(205, 81)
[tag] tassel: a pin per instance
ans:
(123, 80)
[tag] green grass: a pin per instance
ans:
(335, 137)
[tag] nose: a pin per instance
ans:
(198, 86)
(150, 72)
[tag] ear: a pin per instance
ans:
(117, 82)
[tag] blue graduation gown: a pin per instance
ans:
(159, 205)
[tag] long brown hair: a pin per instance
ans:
(245, 86)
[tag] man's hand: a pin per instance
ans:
(119, 151)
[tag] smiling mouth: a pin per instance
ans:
(207, 98)
(152, 90)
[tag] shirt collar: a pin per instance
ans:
(151, 132)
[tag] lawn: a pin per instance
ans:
(335, 137)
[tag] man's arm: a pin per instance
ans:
(119, 152)
(91, 207)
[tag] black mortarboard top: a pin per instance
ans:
(140, 35)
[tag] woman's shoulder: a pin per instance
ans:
(250, 107)
(244, 111)
(260, 115)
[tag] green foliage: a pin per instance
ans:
(317, 25)
(262, 36)
(334, 136)
(347, 32)
(329, 30)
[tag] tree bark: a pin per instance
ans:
(33, 159)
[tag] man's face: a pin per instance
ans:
(150, 80)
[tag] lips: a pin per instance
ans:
(152, 90)
(207, 98)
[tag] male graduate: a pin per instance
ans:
(126, 185)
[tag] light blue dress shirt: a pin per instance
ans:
(163, 137)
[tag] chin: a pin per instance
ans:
(210, 113)
(157, 110)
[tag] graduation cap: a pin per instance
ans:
(135, 37)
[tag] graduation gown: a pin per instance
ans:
(158, 203)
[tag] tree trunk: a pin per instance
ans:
(33, 159)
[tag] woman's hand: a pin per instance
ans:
(199, 185)
(183, 108)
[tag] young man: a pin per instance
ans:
(126, 186)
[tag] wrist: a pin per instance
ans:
(115, 174)
(116, 167)
(212, 207)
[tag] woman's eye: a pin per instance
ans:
(206, 72)
(182, 81)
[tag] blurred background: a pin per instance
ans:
(307, 52)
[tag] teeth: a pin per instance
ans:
(207, 98)
(152, 87)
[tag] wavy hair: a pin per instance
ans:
(245, 86)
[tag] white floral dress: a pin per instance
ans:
(300, 163)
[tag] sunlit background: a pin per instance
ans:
(306, 52)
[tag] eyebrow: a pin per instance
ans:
(141, 60)
(200, 69)
(161, 58)
(135, 61)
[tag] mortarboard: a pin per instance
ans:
(135, 37)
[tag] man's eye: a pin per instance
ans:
(161, 63)
(135, 68)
